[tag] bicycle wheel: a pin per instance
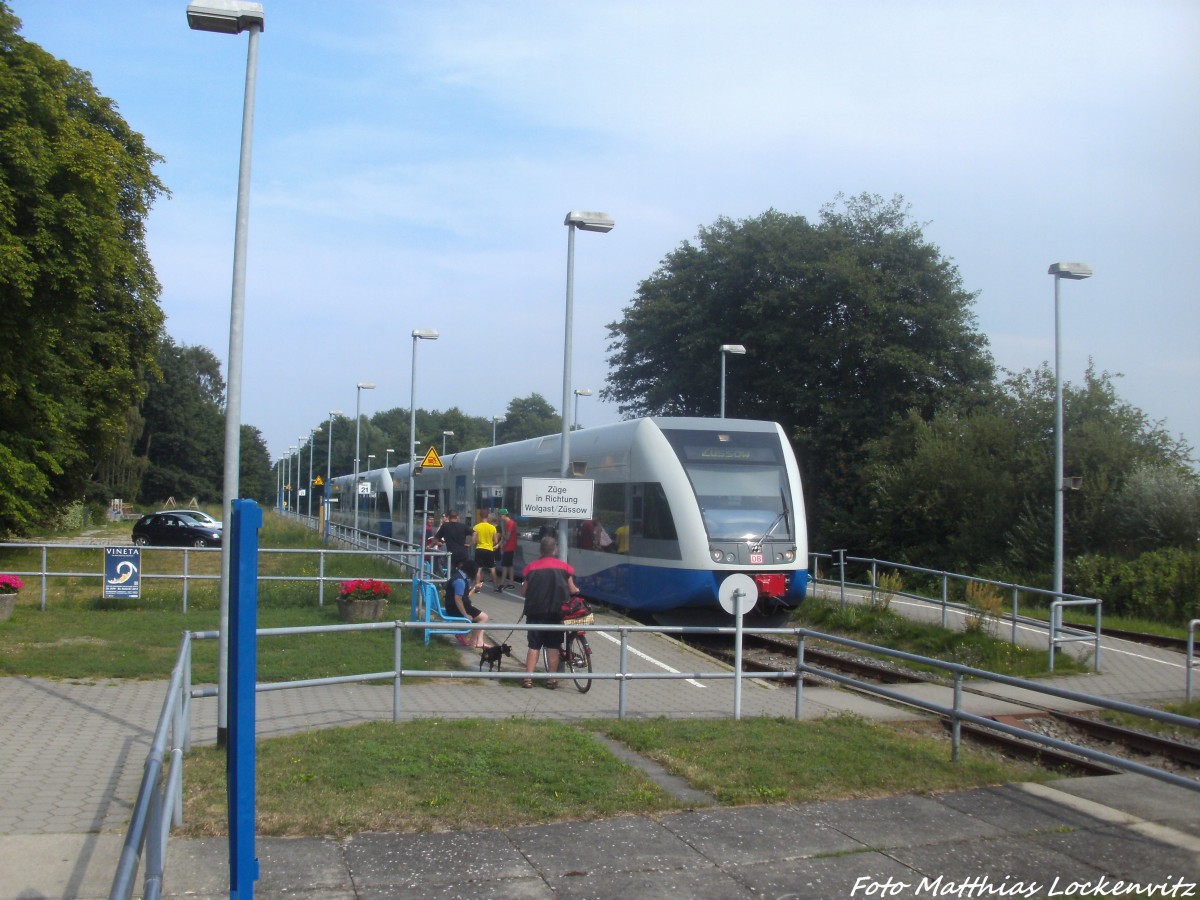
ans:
(578, 659)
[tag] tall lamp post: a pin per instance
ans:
(311, 453)
(601, 223)
(233, 17)
(445, 434)
(362, 386)
(736, 349)
(287, 487)
(579, 392)
(387, 457)
(329, 472)
(419, 334)
(496, 420)
(1073, 271)
(299, 455)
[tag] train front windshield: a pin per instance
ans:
(740, 482)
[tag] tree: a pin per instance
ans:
(849, 324)
(973, 490)
(528, 417)
(182, 440)
(77, 291)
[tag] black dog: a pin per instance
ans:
(493, 656)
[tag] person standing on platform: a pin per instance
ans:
(452, 535)
(549, 582)
(508, 549)
(483, 539)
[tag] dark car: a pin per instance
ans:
(174, 530)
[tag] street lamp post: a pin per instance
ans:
(445, 434)
(495, 420)
(736, 349)
(584, 221)
(329, 472)
(1072, 271)
(387, 457)
(419, 334)
(233, 17)
(299, 453)
(289, 488)
(311, 453)
(362, 386)
(579, 392)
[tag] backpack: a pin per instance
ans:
(576, 611)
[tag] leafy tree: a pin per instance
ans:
(77, 291)
(973, 490)
(849, 323)
(527, 417)
(1157, 507)
(183, 438)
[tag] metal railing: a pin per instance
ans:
(159, 802)
(1058, 635)
(407, 557)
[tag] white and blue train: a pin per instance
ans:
(686, 502)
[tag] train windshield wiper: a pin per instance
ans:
(779, 518)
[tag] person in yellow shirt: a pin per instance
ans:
(483, 539)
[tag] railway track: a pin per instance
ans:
(769, 654)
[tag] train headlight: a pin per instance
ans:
(717, 555)
(789, 556)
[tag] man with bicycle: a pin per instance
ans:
(549, 582)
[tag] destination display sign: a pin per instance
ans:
(557, 498)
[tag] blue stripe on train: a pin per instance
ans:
(655, 588)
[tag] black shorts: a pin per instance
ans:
(507, 559)
(551, 640)
(485, 559)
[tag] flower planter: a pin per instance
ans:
(361, 610)
(7, 602)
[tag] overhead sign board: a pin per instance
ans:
(122, 572)
(557, 498)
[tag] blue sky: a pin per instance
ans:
(413, 163)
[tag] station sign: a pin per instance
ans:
(122, 572)
(557, 498)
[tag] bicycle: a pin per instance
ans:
(576, 658)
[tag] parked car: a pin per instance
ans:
(198, 514)
(174, 529)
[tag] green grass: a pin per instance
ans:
(144, 643)
(81, 635)
(980, 650)
(434, 774)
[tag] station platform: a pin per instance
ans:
(74, 754)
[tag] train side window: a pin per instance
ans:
(652, 527)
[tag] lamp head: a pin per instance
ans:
(448, 433)
(583, 392)
(1076, 271)
(224, 16)
(590, 221)
(366, 385)
(733, 348)
(425, 334)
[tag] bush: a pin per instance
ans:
(1162, 586)
(986, 603)
(887, 586)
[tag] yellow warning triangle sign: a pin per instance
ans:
(432, 460)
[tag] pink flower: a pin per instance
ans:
(10, 584)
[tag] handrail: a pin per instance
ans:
(155, 808)
(158, 807)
